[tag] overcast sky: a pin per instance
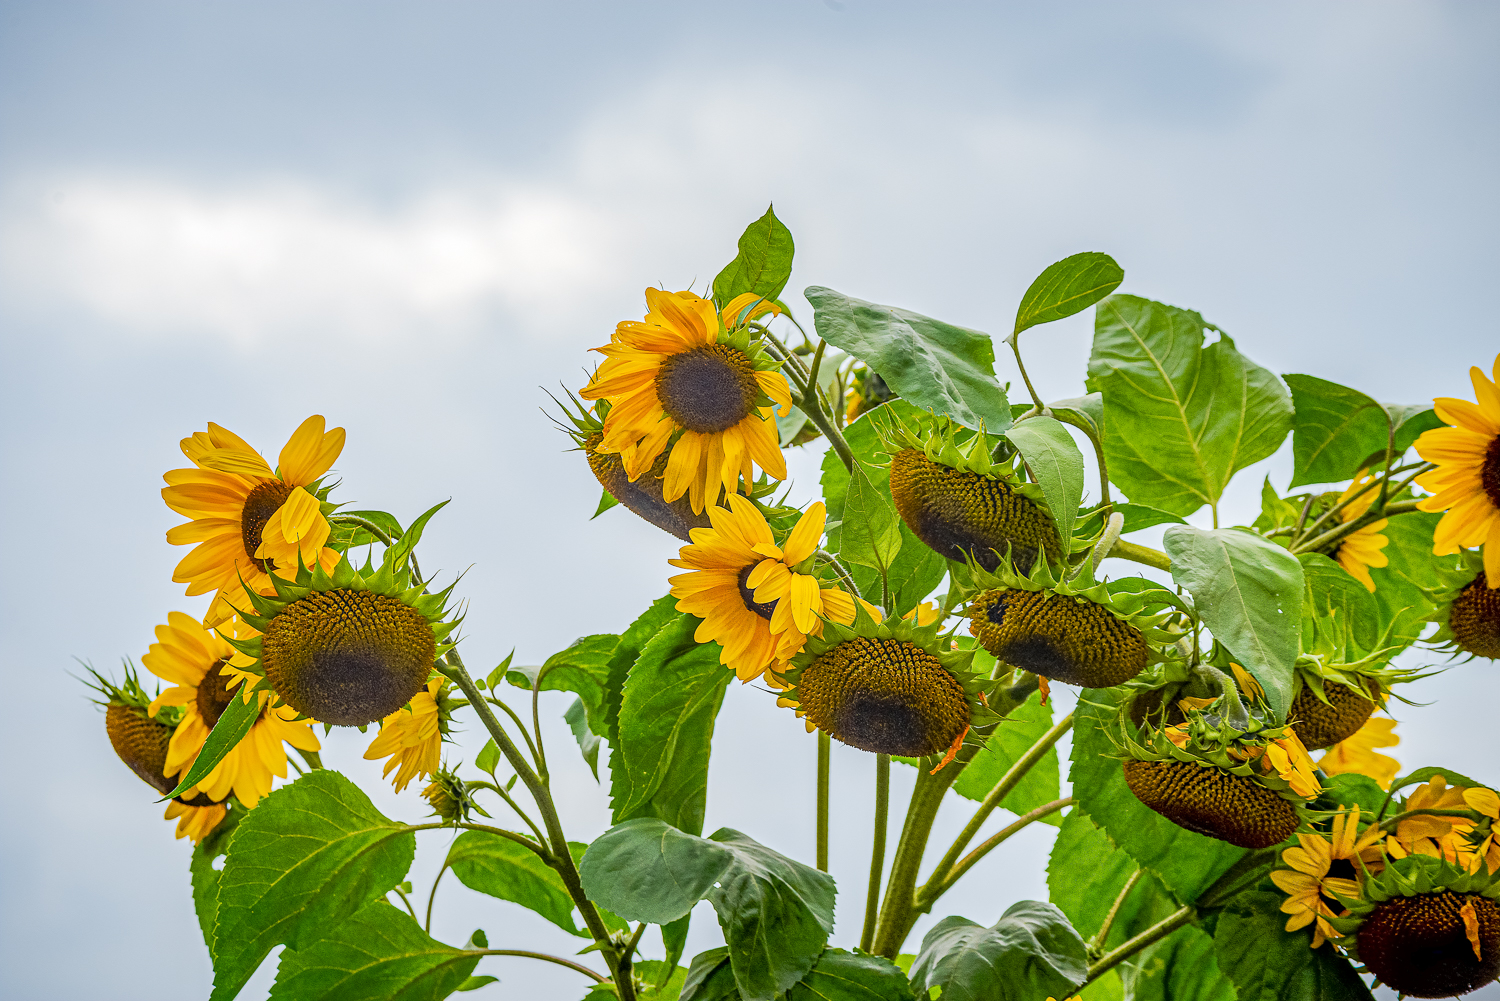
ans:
(407, 217)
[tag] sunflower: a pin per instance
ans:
(756, 599)
(1426, 834)
(1311, 890)
(1362, 549)
(248, 520)
(1466, 609)
(689, 369)
(1466, 483)
(1357, 754)
(412, 737)
(203, 669)
(1486, 853)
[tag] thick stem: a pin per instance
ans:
(1332, 536)
(1130, 947)
(813, 405)
(1107, 541)
(544, 958)
(1126, 550)
(933, 890)
(825, 753)
(877, 849)
(519, 725)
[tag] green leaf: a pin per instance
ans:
(1347, 790)
(606, 501)
(936, 366)
(672, 694)
(474, 983)
(776, 914)
(1031, 952)
(1248, 591)
(407, 544)
(501, 868)
(1070, 286)
(632, 640)
(378, 954)
(840, 975)
(234, 723)
(1182, 418)
(1268, 963)
(1329, 590)
(1013, 738)
(1181, 967)
(1399, 585)
(1275, 511)
(1410, 420)
(358, 536)
(1335, 430)
(577, 718)
(1083, 847)
(502, 671)
(1186, 863)
(1056, 465)
(710, 978)
(870, 534)
(582, 668)
(659, 982)
(206, 878)
(763, 264)
(1425, 775)
(1088, 409)
(674, 938)
(310, 855)
(488, 758)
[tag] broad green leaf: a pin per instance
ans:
(488, 758)
(1275, 511)
(1182, 418)
(870, 534)
(1181, 967)
(1412, 567)
(310, 855)
(1425, 775)
(1106, 988)
(606, 501)
(1089, 409)
(840, 975)
(632, 640)
(1013, 738)
(577, 718)
(1268, 963)
(501, 868)
(346, 536)
(710, 978)
(1057, 466)
(1186, 863)
(672, 694)
(934, 365)
(407, 544)
(1248, 591)
(234, 723)
(1410, 420)
(1329, 589)
(674, 938)
(776, 914)
(1349, 789)
(582, 668)
(1083, 847)
(206, 878)
(1031, 952)
(1335, 430)
(378, 954)
(1070, 286)
(763, 264)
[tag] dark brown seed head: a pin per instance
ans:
(141, 743)
(1474, 619)
(1322, 724)
(708, 389)
(1420, 945)
(1208, 800)
(644, 497)
(1066, 639)
(884, 695)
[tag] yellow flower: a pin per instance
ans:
(1289, 759)
(1425, 834)
(924, 614)
(749, 592)
(412, 737)
(1466, 483)
(1487, 852)
(671, 373)
(1357, 753)
(249, 521)
(195, 822)
(203, 669)
(1309, 887)
(1358, 552)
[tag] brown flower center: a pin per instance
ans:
(708, 389)
(765, 609)
(214, 695)
(262, 502)
(1474, 619)
(1489, 471)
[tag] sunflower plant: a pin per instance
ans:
(951, 571)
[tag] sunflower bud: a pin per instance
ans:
(141, 743)
(448, 796)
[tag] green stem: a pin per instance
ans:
(1107, 541)
(1328, 539)
(433, 896)
(897, 911)
(515, 807)
(520, 839)
(1102, 935)
(544, 958)
(1088, 431)
(877, 849)
(1130, 947)
(1014, 340)
(813, 403)
(926, 897)
(840, 569)
(405, 900)
(368, 526)
(1125, 550)
(825, 753)
(996, 796)
(519, 725)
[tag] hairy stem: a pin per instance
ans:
(844, 576)
(1014, 340)
(1102, 935)
(519, 725)
(560, 961)
(877, 849)
(1125, 550)
(1348, 528)
(812, 403)
(1130, 947)
(515, 807)
(825, 754)
(405, 900)
(1107, 541)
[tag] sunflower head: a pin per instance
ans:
(1246, 785)
(349, 647)
(138, 736)
(1467, 609)
(1079, 631)
(1466, 482)
(1425, 927)
(1332, 698)
(888, 687)
(450, 797)
(962, 501)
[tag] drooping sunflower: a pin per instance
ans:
(1467, 609)
(890, 687)
(248, 520)
(1332, 699)
(412, 736)
(1364, 548)
(1466, 483)
(691, 378)
(1436, 835)
(207, 674)
(961, 502)
(758, 600)
(1425, 927)
(1247, 786)
(348, 647)
(1358, 754)
(1080, 632)
(1323, 869)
